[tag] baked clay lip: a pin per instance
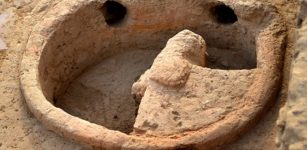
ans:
(39, 85)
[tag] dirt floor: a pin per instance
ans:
(20, 130)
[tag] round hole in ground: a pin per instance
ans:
(113, 12)
(89, 72)
(223, 14)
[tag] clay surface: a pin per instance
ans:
(102, 94)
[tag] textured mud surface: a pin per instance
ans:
(293, 119)
(20, 130)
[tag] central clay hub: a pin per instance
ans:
(170, 70)
(178, 94)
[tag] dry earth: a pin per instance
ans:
(292, 120)
(20, 130)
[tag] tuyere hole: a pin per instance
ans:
(113, 12)
(224, 14)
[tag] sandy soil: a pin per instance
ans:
(20, 130)
(293, 117)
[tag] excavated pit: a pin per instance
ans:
(102, 92)
(88, 59)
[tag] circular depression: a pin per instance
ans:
(66, 45)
